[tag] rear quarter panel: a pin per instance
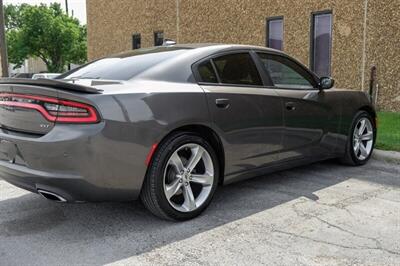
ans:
(136, 117)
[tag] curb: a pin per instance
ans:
(387, 156)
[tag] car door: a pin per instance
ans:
(309, 120)
(248, 116)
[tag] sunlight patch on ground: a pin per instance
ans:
(6, 190)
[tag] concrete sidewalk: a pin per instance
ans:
(387, 156)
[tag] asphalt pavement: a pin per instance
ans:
(322, 214)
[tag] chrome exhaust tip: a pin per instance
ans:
(51, 196)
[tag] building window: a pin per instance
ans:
(136, 41)
(321, 43)
(158, 38)
(275, 33)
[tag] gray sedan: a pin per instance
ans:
(169, 124)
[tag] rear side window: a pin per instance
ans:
(206, 72)
(237, 69)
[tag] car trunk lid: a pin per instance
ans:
(34, 107)
(67, 85)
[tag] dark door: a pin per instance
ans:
(248, 116)
(308, 117)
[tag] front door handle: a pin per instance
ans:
(222, 103)
(290, 106)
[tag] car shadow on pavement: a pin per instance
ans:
(36, 231)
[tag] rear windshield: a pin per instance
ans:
(124, 66)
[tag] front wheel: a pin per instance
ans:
(361, 140)
(182, 177)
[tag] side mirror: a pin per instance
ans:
(325, 83)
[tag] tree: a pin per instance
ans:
(12, 16)
(45, 32)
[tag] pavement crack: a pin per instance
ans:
(309, 215)
(334, 244)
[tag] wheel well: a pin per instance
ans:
(212, 138)
(370, 111)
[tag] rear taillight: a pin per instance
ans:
(54, 110)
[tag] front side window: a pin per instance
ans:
(285, 73)
(275, 33)
(321, 44)
(237, 69)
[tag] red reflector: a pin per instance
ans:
(54, 110)
(151, 153)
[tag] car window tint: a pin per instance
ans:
(124, 66)
(206, 72)
(285, 73)
(237, 69)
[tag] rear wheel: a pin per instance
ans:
(361, 141)
(182, 177)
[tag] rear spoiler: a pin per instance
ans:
(51, 83)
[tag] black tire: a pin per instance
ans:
(152, 194)
(350, 157)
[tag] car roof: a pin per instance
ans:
(179, 67)
(222, 46)
(205, 47)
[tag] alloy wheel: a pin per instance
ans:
(188, 177)
(363, 138)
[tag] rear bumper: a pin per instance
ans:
(73, 188)
(79, 163)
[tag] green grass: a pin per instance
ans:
(388, 131)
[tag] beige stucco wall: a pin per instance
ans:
(112, 23)
(383, 50)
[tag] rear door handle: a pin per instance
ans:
(290, 106)
(222, 103)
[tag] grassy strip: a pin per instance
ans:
(388, 131)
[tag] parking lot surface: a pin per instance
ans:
(319, 214)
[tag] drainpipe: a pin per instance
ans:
(372, 84)
(364, 49)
